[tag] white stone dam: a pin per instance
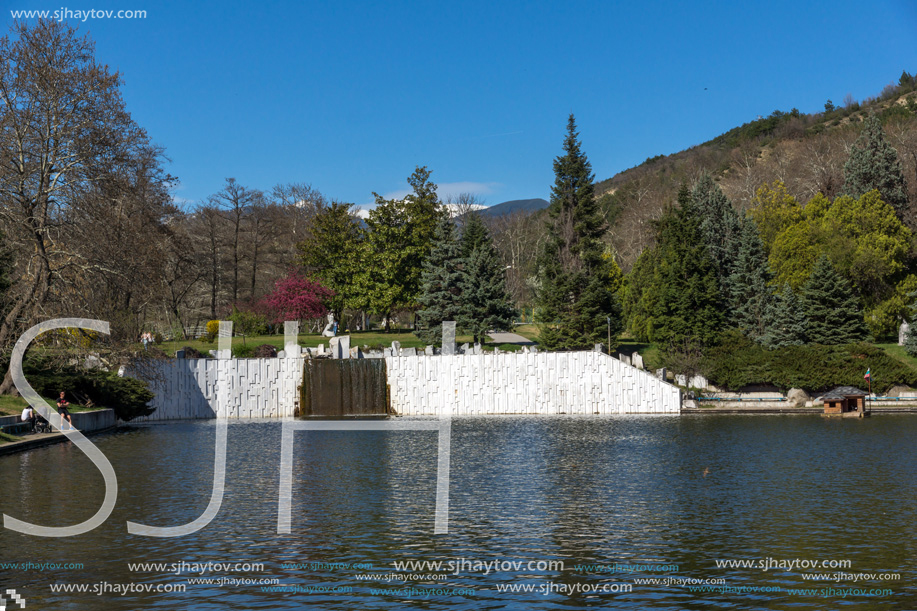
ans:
(542, 383)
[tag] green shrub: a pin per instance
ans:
(128, 397)
(246, 322)
(738, 362)
(243, 352)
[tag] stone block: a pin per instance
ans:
(448, 337)
(340, 347)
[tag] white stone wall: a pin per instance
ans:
(238, 388)
(509, 383)
(517, 383)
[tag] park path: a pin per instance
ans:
(510, 338)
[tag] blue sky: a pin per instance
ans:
(351, 96)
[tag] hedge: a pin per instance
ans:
(739, 362)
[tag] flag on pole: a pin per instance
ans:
(867, 376)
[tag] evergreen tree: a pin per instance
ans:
(574, 295)
(833, 314)
(474, 233)
(486, 305)
(750, 297)
(720, 227)
(786, 321)
(685, 293)
(874, 164)
(441, 285)
(329, 254)
(398, 241)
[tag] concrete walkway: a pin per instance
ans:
(510, 338)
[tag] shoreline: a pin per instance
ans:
(908, 409)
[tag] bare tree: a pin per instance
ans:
(518, 237)
(235, 202)
(463, 203)
(63, 131)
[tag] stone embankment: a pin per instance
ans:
(85, 422)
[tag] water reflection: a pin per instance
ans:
(595, 491)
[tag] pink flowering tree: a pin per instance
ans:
(295, 297)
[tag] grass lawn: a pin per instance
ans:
(529, 332)
(898, 352)
(4, 438)
(13, 406)
(649, 352)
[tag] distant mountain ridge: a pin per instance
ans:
(527, 206)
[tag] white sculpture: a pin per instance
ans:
(329, 328)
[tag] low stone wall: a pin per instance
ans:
(97, 420)
(234, 388)
(94, 421)
(540, 383)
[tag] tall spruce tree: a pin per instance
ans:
(685, 293)
(441, 284)
(833, 314)
(474, 233)
(786, 322)
(747, 285)
(575, 298)
(486, 305)
(720, 227)
(873, 164)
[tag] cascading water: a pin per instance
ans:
(344, 387)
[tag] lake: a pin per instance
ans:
(689, 512)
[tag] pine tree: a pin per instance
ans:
(574, 296)
(720, 227)
(474, 233)
(685, 294)
(441, 284)
(786, 321)
(873, 164)
(486, 305)
(833, 314)
(749, 294)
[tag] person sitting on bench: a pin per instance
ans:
(28, 415)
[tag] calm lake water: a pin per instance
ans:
(669, 495)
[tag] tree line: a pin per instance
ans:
(90, 228)
(830, 272)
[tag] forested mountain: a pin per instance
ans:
(806, 152)
(516, 205)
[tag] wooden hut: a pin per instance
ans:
(845, 400)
